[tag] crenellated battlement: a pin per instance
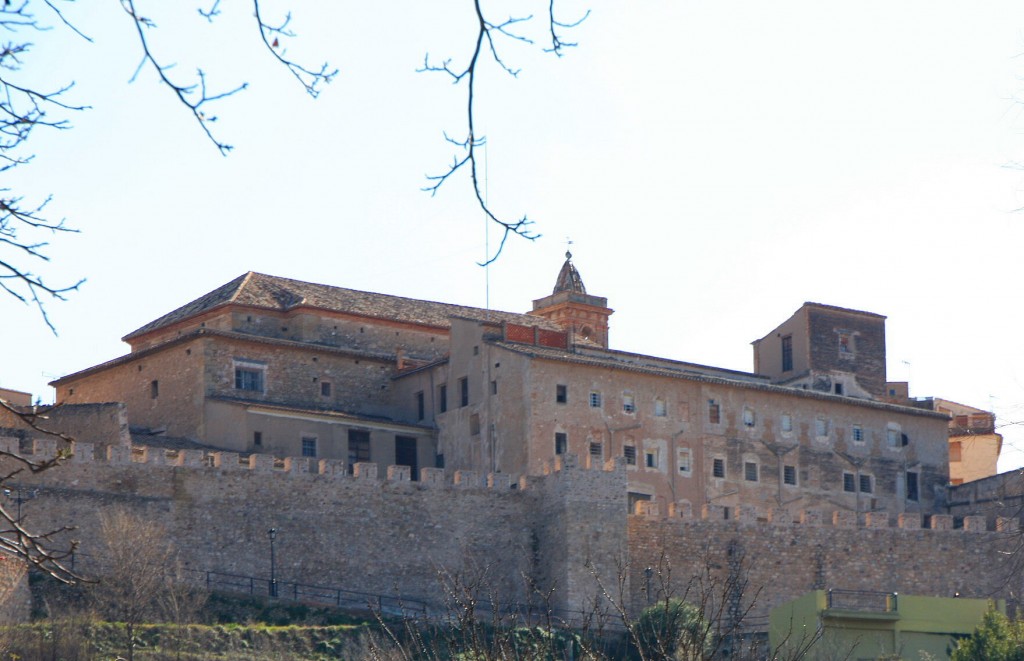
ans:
(750, 515)
(296, 467)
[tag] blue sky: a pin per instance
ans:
(715, 164)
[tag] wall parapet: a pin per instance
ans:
(749, 515)
(157, 458)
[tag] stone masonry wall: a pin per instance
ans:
(365, 532)
(784, 558)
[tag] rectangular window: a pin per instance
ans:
(494, 387)
(474, 424)
(561, 442)
(421, 408)
(660, 410)
(892, 437)
(849, 483)
(325, 388)
(714, 412)
(786, 422)
(629, 452)
(651, 458)
(595, 399)
(821, 427)
(628, 403)
(249, 378)
(442, 398)
(750, 471)
(857, 433)
(912, 488)
(789, 475)
(358, 447)
(257, 438)
(787, 353)
(561, 394)
(718, 468)
(838, 387)
(154, 389)
(596, 450)
(684, 459)
(308, 446)
(866, 485)
(955, 450)
(748, 417)
(464, 391)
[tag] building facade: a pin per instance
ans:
(276, 366)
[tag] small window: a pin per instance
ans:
(750, 471)
(718, 467)
(892, 437)
(561, 442)
(857, 434)
(955, 450)
(866, 485)
(325, 388)
(748, 417)
(651, 458)
(257, 438)
(628, 403)
(912, 486)
(154, 389)
(714, 412)
(442, 398)
(494, 387)
(249, 378)
(845, 345)
(821, 427)
(629, 452)
(464, 391)
(684, 459)
(596, 450)
(660, 410)
(474, 424)
(789, 475)
(786, 422)
(595, 399)
(421, 409)
(561, 394)
(787, 353)
(308, 446)
(838, 387)
(849, 483)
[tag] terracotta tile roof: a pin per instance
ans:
(274, 293)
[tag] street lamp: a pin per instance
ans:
(272, 533)
(22, 496)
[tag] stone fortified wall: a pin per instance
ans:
(784, 557)
(567, 530)
(366, 532)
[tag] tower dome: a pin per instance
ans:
(583, 315)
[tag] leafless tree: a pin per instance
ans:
(25, 227)
(47, 551)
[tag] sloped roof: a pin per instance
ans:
(569, 278)
(274, 293)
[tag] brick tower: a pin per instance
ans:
(570, 306)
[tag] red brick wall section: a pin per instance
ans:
(556, 339)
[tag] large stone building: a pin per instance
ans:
(269, 365)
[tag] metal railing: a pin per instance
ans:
(864, 600)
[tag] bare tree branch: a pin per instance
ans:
(467, 154)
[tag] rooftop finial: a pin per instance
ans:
(568, 246)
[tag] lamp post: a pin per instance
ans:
(19, 495)
(272, 534)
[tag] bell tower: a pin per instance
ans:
(572, 308)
